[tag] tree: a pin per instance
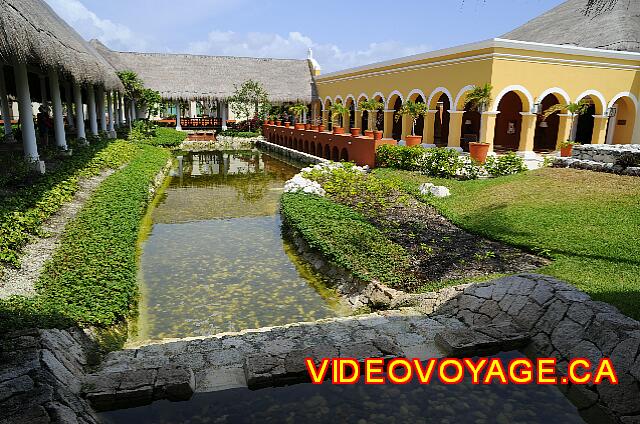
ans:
(338, 112)
(250, 100)
(298, 111)
(133, 87)
(574, 109)
(479, 98)
(371, 105)
(150, 99)
(414, 111)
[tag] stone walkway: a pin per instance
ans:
(537, 314)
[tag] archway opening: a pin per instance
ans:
(379, 123)
(335, 154)
(352, 112)
(319, 150)
(312, 148)
(546, 134)
(441, 121)
(508, 122)
(327, 108)
(584, 123)
(620, 128)
(344, 155)
(470, 127)
(419, 127)
(396, 132)
(327, 152)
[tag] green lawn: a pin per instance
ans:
(588, 222)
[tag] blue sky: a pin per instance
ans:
(342, 33)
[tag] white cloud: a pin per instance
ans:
(89, 25)
(294, 45)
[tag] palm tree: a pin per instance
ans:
(574, 109)
(479, 98)
(339, 112)
(413, 110)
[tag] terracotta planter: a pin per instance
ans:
(313, 127)
(270, 122)
(565, 152)
(338, 130)
(287, 124)
(478, 151)
(307, 126)
(377, 135)
(413, 140)
(279, 123)
(355, 132)
(299, 126)
(368, 133)
(321, 127)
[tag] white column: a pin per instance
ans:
(121, 108)
(91, 108)
(178, 126)
(611, 129)
(58, 119)
(6, 112)
(635, 137)
(69, 98)
(26, 115)
(102, 112)
(134, 115)
(224, 106)
(193, 109)
(574, 128)
(112, 131)
(77, 96)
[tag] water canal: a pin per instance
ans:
(212, 257)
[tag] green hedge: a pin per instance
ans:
(167, 137)
(241, 134)
(347, 239)
(24, 210)
(91, 279)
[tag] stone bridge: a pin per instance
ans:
(46, 373)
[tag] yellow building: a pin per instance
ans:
(560, 57)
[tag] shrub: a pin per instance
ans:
(167, 137)
(399, 157)
(142, 130)
(441, 162)
(14, 168)
(241, 134)
(91, 279)
(498, 166)
(347, 239)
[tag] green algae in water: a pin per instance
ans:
(213, 259)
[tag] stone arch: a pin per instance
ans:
(560, 95)
(328, 101)
(458, 103)
(306, 146)
(312, 148)
(597, 98)
(395, 94)
(436, 95)
(413, 94)
(338, 99)
(349, 96)
(344, 155)
(523, 94)
(319, 150)
(621, 125)
(362, 96)
(327, 152)
(335, 154)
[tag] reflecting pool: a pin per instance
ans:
(212, 258)
(384, 404)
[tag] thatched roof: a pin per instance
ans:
(615, 29)
(32, 33)
(195, 77)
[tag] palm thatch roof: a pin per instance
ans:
(32, 33)
(194, 77)
(617, 28)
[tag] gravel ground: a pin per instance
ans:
(21, 281)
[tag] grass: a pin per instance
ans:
(347, 239)
(91, 279)
(587, 222)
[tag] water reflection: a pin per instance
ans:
(214, 260)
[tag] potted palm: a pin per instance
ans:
(479, 100)
(573, 109)
(371, 105)
(298, 111)
(338, 113)
(414, 111)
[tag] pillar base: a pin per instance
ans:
(528, 155)
(224, 128)
(83, 141)
(112, 134)
(66, 152)
(38, 166)
(428, 146)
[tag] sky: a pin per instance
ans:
(342, 34)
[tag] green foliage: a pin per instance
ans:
(399, 157)
(167, 137)
(414, 111)
(574, 109)
(479, 98)
(152, 100)
(133, 85)
(347, 239)
(499, 166)
(14, 168)
(91, 279)
(241, 134)
(441, 162)
(338, 113)
(142, 130)
(371, 105)
(23, 211)
(298, 111)
(250, 100)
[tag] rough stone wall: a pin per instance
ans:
(41, 375)
(616, 159)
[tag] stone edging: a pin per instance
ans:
(285, 151)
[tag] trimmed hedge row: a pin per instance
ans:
(167, 137)
(347, 239)
(91, 279)
(23, 211)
